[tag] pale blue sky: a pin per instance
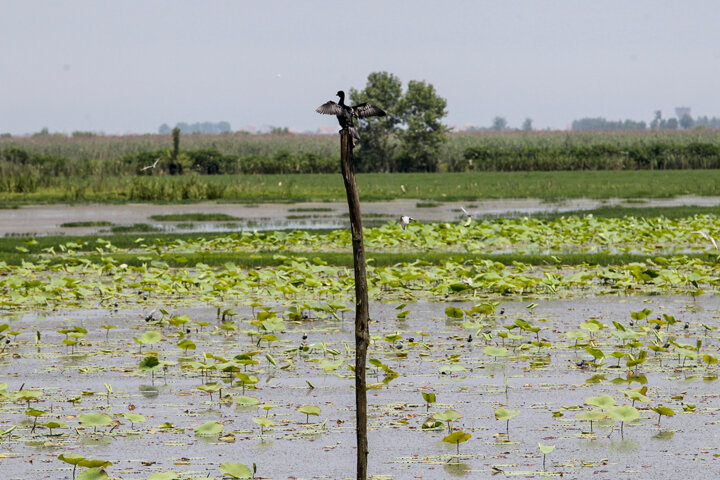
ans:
(130, 66)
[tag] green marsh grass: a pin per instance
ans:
(243, 144)
(193, 217)
(137, 227)
(430, 187)
(101, 223)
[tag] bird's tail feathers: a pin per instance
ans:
(354, 133)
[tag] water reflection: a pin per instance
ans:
(149, 391)
(457, 469)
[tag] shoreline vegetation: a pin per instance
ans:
(87, 168)
(297, 168)
(437, 187)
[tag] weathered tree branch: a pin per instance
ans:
(362, 336)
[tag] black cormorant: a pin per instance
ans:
(345, 113)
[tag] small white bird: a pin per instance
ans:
(708, 237)
(151, 166)
(467, 214)
(403, 189)
(405, 221)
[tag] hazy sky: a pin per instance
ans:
(131, 65)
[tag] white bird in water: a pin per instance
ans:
(708, 237)
(405, 221)
(151, 166)
(468, 215)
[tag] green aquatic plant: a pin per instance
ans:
(246, 379)
(457, 438)
(79, 460)
(151, 337)
(133, 418)
(308, 410)
(603, 402)
(35, 413)
(27, 396)
(545, 449)
(211, 388)
(624, 413)
(149, 363)
(107, 329)
(237, 470)
(209, 428)
(264, 423)
(592, 416)
(429, 398)
(637, 394)
(495, 352)
(448, 416)
(186, 345)
(51, 425)
(95, 473)
(661, 410)
(164, 476)
(505, 414)
(108, 391)
(95, 420)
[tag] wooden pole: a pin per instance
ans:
(362, 335)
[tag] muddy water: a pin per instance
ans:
(545, 385)
(48, 219)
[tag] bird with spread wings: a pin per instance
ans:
(346, 113)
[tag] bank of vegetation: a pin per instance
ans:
(256, 168)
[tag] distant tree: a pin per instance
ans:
(599, 123)
(706, 122)
(499, 124)
(44, 132)
(655, 124)
(527, 125)
(174, 165)
(421, 109)
(198, 127)
(378, 134)
(686, 121)
(669, 124)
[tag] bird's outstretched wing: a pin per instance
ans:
(367, 110)
(330, 108)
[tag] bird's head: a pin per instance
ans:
(340, 94)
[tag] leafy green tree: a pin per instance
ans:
(378, 134)
(409, 137)
(421, 110)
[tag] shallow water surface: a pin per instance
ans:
(49, 219)
(547, 384)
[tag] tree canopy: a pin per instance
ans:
(409, 138)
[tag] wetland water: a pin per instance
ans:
(544, 383)
(48, 219)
